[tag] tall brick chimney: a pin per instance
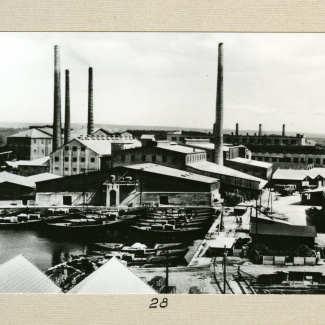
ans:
(67, 121)
(218, 127)
(260, 130)
(283, 130)
(90, 127)
(57, 124)
(237, 129)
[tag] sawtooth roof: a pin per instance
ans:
(298, 174)
(113, 277)
(18, 275)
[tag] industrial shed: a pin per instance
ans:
(282, 236)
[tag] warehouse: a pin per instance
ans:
(130, 185)
(282, 236)
(259, 169)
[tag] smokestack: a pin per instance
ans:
(283, 130)
(218, 127)
(260, 130)
(57, 124)
(90, 127)
(237, 129)
(67, 126)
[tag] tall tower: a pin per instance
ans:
(90, 126)
(57, 124)
(218, 127)
(67, 120)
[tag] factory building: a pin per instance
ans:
(160, 152)
(31, 144)
(281, 236)
(130, 185)
(86, 154)
(113, 134)
(28, 167)
(259, 169)
(311, 178)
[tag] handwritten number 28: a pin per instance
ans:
(155, 301)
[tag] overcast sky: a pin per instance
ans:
(168, 79)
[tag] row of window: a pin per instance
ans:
(74, 159)
(73, 169)
(66, 148)
(145, 158)
(261, 141)
(42, 141)
(296, 160)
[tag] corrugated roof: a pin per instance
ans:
(20, 276)
(16, 179)
(207, 166)
(112, 277)
(173, 172)
(278, 229)
(251, 162)
(42, 177)
(31, 133)
(35, 162)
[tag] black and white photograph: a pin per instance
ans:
(162, 163)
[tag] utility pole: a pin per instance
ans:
(224, 270)
(256, 217)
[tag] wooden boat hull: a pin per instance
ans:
(21, 225)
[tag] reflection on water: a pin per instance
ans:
(43, 250)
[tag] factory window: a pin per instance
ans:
(293, 141)
(34, 140)
(302, 160)
(143, 158)
(42, 141)
(253, 157)
(268, 141)
(92, 159)
(274, 159)
(287, 159)
(164, 158)
(83, 170)
(174, 139)
(122, 157)
(42, 151)
(284, 141)
(74, 169)
(56, 168)
(296, 160)
(74, 159)
(267, 159)
(323, 161)
(153, 158)
(83, 149)
(66, 158)
(276, 141)
(66, 169)
(56, 158)
(182, 139)
(66, 148)
(310, 160)
(34, 151)
(132, 157)
(74, 148)
(259, 158)
(82, 159)
(49, 141)
(318, 161)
